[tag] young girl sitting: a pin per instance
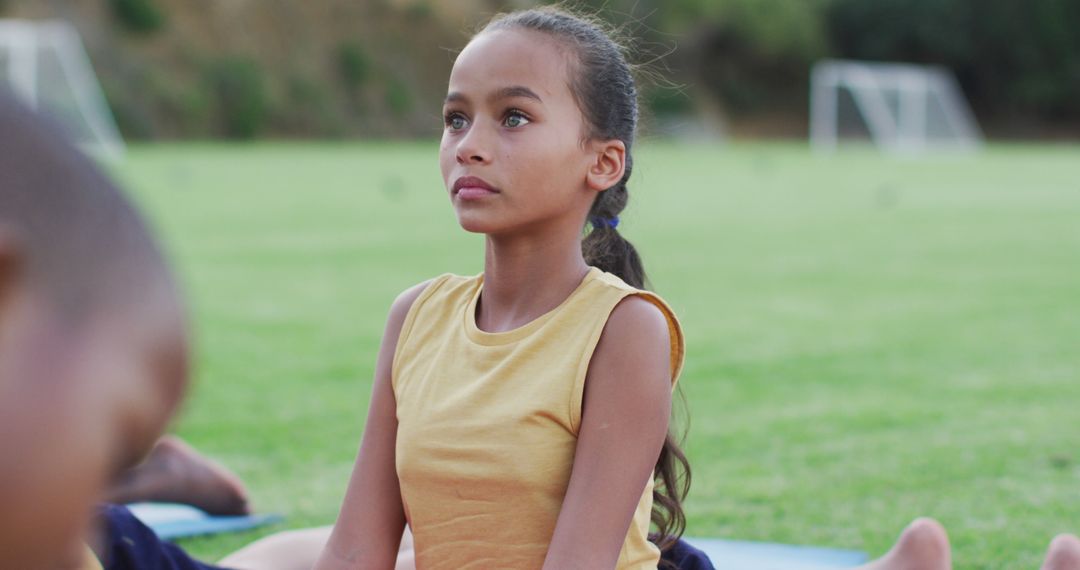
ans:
(519, 418)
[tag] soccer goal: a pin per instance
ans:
(46, 66)
(901, 108)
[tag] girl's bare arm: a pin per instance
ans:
(625, 415)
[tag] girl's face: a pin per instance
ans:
(512, 152)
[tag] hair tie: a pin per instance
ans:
(600, 222)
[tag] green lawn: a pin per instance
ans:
(869, 339)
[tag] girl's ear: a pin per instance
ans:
(609, 164)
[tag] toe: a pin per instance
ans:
(1063, 554)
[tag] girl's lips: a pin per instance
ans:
(474, 193)
(473, 188)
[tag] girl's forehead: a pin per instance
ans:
(510, 57)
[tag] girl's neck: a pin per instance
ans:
(527, 277)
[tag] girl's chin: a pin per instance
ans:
(477, 225)
(477, 229)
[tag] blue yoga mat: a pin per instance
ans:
(171, 520)
(743, 555)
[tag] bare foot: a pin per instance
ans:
(175, 472)
(1063, 554)
(923, 545)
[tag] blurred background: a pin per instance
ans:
(879, 331)
(199, 69)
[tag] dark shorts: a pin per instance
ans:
(131, 545)
(686, 557)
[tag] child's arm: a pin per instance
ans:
(625, 414)
(368, 530)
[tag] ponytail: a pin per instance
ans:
(605, 248)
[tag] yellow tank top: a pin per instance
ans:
(488, 424)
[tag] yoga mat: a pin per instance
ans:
(744, 555)
(170, 520)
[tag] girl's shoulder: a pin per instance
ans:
(409, 297)
(641, 318)
(442, 286)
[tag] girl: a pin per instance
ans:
(519, 418)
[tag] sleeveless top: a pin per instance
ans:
(488, 424)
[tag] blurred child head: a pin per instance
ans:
(93, 354)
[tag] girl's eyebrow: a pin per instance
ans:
(504, 93)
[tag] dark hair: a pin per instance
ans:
(85, 247)
(602, 83)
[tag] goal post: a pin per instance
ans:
(45, 64)
(902, 108)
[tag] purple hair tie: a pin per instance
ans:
(599, 222)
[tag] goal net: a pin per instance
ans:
(46, 66)
(901, 108)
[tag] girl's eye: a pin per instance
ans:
(455, 122)
(515, 119)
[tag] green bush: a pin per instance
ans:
(183, 108)
(752, 55)
(770, 29)
(133, 117)
(354, 65)
(1011, 57)
(309, 110)
(140, 16)
(398, 97)
(238, 89)
(661, 101)
(419, 10)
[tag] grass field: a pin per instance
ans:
(869, 339)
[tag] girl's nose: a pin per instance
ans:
(473, 148)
